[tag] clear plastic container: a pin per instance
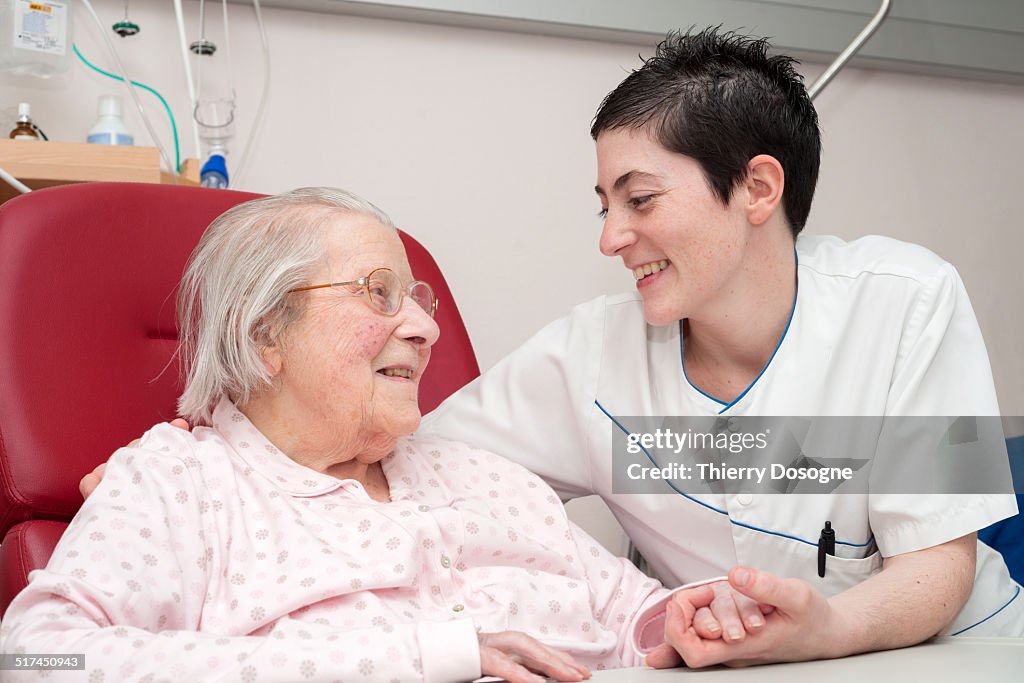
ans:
(35, 37)
(216, 123)
(215, 119)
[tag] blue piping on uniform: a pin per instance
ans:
(736, 400)
(989, 616)
(687, 378)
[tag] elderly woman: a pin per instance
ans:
(302, 534)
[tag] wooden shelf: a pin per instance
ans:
(45, 164)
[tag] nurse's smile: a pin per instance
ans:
(648, 269)
(648, 280)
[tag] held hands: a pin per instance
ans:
(513, 655)
(730, 615)
(90, 481)
(702, 624)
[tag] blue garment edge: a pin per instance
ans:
(792, 312)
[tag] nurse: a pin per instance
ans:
(707, 162)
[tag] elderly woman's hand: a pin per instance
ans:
(730, 616)
(513, 655)
(90, 481)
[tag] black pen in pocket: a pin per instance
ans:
(826, 546)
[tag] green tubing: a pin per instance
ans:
(174, 127)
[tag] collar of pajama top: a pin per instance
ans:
(298, 480)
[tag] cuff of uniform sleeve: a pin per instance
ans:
(449, 651)
(649, 632)
(960, 515)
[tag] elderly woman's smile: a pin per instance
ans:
(397, 372)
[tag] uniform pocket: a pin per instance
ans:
(786, 557)
(842, 573)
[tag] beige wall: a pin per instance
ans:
(476, 142)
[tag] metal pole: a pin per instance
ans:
(850, 50)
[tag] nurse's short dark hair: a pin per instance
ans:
(720, 99)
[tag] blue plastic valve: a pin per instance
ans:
(214, 173)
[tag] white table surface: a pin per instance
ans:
(965, 660)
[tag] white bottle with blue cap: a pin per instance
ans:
(109, 128)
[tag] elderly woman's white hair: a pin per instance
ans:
(234, 298)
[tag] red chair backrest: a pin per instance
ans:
(88, 282)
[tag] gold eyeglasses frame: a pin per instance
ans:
(364, 284)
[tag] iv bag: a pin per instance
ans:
(35, 37)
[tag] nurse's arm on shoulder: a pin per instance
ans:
(90, 481)
(915, 596)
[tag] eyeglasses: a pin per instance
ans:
(384, 291)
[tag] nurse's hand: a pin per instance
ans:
(796, 630)
(90, 481)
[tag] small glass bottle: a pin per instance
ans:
(24, 130)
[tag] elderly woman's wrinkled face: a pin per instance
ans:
(337, 364)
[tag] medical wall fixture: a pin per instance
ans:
(42, 45)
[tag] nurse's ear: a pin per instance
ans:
(764, 184)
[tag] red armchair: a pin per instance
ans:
(87, 333)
